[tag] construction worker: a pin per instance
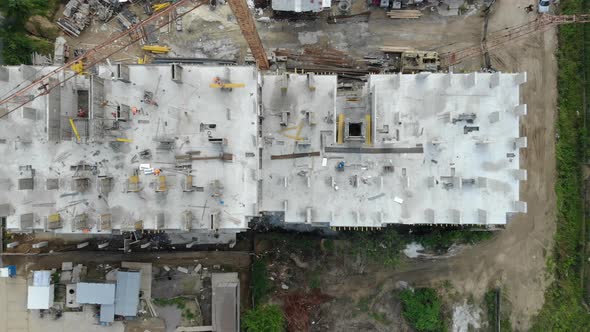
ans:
(157, 171)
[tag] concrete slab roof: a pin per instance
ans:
(415, 149)
(203, 139)
(225, 302)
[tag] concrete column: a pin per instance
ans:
(520, 110)
(40, 244)
(145, 245)
(519, 78)
(520, 143)
(357, 217)
(103, 245)
(12, 244)
(469, 80)
(494, 117)
(4, 74)
(495, 80)
(447, 80)
(82, 245)
(190, 245)
(482, 182)
(308, 212)
(429, 216)
(431, 181)
(456, 216)
(29, 72)
(520, 174)
(396, 81)
(285, 205)
(286, 181)
(482, 216)
(422, 75)
(520, 206)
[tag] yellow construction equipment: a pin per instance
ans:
(75, 130)
(124, 140)
(296, 137)
(156, 49)
(340, 128)
(78, 67)
(227, 85)
(160, 6)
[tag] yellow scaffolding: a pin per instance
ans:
(227, 85)
(75, 129)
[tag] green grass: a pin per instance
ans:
(490, 303)
(442, 239)
(382, 247)
(314, 280)
(422, 308)
(563, 309)
(264, 318)
(363, 304)
(259, 281)
(179, 302)
(380, 317)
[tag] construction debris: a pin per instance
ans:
(404, 14)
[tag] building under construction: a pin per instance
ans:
(185, 148)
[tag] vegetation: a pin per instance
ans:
(264, 318)
(490, 302)
(18, 45)
(442, 239)
(422, 308)
(380, 248)
(260, 284)
(563, 309)
(314, 280)
(179, 302)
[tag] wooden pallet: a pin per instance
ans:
(404, 14)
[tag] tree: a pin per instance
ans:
(17, 12)
(264, 318)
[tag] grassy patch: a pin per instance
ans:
(380, 317)
(442, 239)
(264, 318)
(259, 281)
(314, 280)
(179, 302)
(363, 304)
(380, 248)
(422, 308)
(563, 309)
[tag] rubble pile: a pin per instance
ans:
(78, 13)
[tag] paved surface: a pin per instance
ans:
(13, 302)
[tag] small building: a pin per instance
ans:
(225, 304)
(127, 295)
(41, 293)
(95, 293)
(8, 271)
(300, 6)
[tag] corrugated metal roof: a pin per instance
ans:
(225, 302)
(41, 278)
(107, 313)
(127, 298)
(40, 297)
(94, 293)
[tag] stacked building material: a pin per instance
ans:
(407, 14)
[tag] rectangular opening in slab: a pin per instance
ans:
(83, 103)
(355, 129)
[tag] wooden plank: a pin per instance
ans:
(295, 155)
(396, 49)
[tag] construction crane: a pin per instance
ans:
(248, 27)
(83, 63)
(501, 37)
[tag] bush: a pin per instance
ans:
(442, 239)
(259, 281)
(380, 248)
(422, 309)
(265, 318)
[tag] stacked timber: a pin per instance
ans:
(407, 14)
